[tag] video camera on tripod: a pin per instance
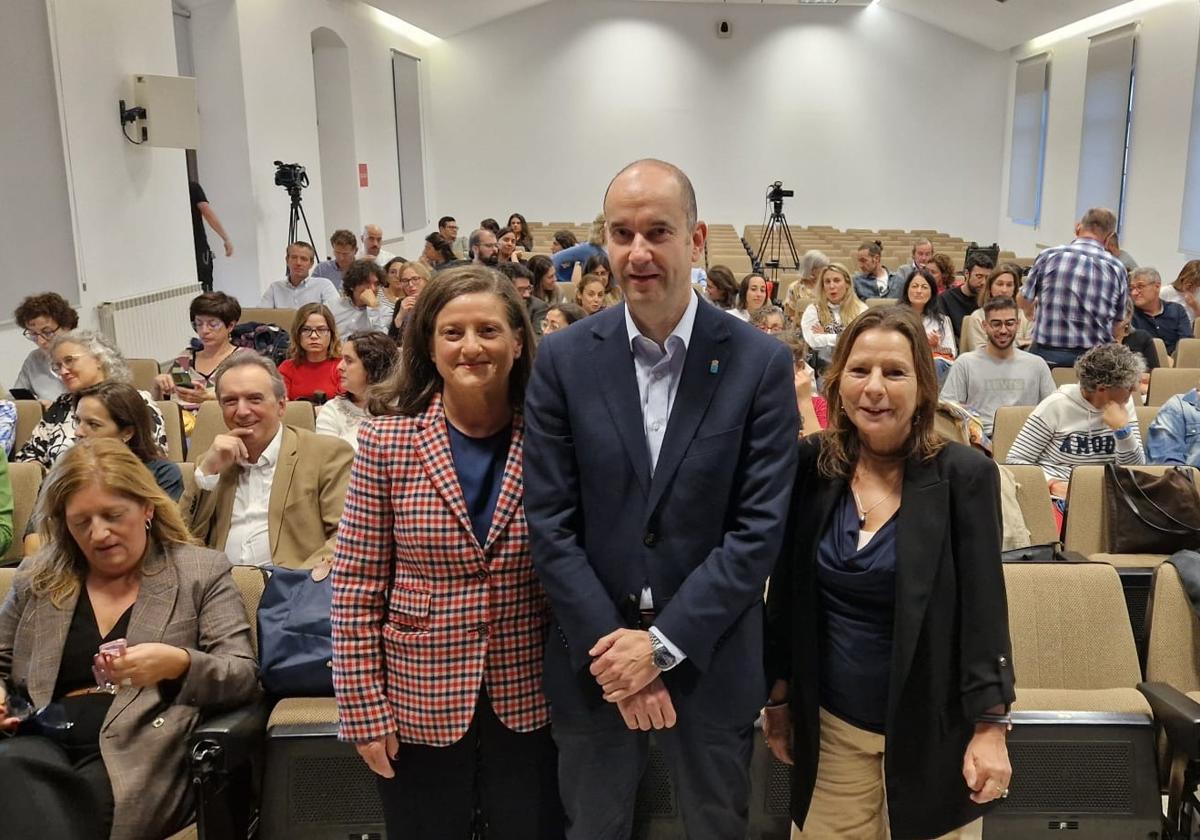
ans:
(293, 178)
(776, 194)
(776, 233)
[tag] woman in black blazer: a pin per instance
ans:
(887, 638)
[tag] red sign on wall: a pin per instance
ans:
(362, 175)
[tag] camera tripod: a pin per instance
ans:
(296, 215)
(775, 236)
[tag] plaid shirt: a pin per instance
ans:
(422, 614)
(1081, 291)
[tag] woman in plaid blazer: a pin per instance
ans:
(438, 618)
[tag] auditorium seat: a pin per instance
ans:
(1187, 353)
(1082, 747)
(1063, 376)
(282, 318)
(1167, 382)
(301, 414)
(1145, 416)
(26, 479)
(1034, 497)
(1164, 358)
(1173, 690)
(29, 414)
(173, 426)
(875, 302)
(1008, 422)
(143, 372)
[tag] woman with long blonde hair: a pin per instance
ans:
(837, 305)
(121, 570)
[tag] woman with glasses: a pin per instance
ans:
(413, 277)
(214, 315)
(82, 359)
(41, 318)
(311, 370)
(768, 319)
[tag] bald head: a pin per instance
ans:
(372, 239)
(687, 194)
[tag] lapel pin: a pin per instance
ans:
(714, 366)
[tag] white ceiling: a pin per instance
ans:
(999, 25)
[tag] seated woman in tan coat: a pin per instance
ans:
(104, 756)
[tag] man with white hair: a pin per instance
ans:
(372, 245)
(1162, 319)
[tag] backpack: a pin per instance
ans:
(265, 339)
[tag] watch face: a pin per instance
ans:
(663, 659)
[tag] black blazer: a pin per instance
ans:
(951, 655)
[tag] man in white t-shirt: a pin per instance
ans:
(998, 373)
(372, 245)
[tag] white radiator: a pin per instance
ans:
(149, 326)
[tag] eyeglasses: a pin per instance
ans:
(67, 363)
(45, 334)
(308, 331)
(207, 324)
(1140, 287)
(411, 281)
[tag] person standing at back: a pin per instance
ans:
(1080, 290)
(660, 445)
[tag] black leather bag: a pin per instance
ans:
(1151, 514)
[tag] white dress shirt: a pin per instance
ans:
(350, 318)
(312, 289)
(658, 369)
(249, 541)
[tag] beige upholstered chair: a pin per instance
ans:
(1034, 497)
(173, 425)
(29, 414)
(143, 372)
(1007, 424)
(26, 478)
(1167, 382)
(281, 318)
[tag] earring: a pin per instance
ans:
(149, 522)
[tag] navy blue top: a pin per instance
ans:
(857, 591)
(1171, 325)
(479, 463)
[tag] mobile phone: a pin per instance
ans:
(182, 379)
(115, 648)
(22, 394)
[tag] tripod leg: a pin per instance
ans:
(787, 234)
(300, 207)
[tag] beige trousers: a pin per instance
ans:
(848, 801)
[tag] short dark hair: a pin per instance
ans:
(492, 225)
(598, 260)
(377, 352)
(360, 273)
(129, 411)
(571, 311)
(998, 303)
(979, 260)
(445, 220)
(301, 243)
(874, 248)
(47, 305)
(343, 237)
(216, 305)
(513, 270)
(440, 244)
(565, 239)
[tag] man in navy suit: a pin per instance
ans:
(659, 456)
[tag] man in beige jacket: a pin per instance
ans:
(266, 494)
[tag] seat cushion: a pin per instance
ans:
(1130, 561)
(292, 711)
(1125, 700)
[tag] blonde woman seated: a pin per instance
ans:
(837, 305)
(367, 359)
(589, 294)
(110, 760)
(1003, 282)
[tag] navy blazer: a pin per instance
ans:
(703, 531)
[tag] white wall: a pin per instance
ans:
(335, 130)
(1165, 72)
(132, 226)
(875, 118)
(280, 109)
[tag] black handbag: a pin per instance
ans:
(1043, 553)
(295, 637)
(1151, 514)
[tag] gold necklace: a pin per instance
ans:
(863, 514)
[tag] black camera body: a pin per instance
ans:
(290, 176)
(776, 192)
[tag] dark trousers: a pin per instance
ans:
(44, 794)
(509, 776)
(601, 761)
(204, 270)
(1058, 356)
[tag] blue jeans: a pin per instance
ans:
(1058, 356)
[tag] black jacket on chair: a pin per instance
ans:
(951, 654)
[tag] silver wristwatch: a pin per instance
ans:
(664, 660)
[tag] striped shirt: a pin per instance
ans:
(1065, 431)
(1081, 292)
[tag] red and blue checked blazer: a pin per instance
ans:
(423, 615)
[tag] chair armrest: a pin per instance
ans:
(229, 739)
(1177, 714)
